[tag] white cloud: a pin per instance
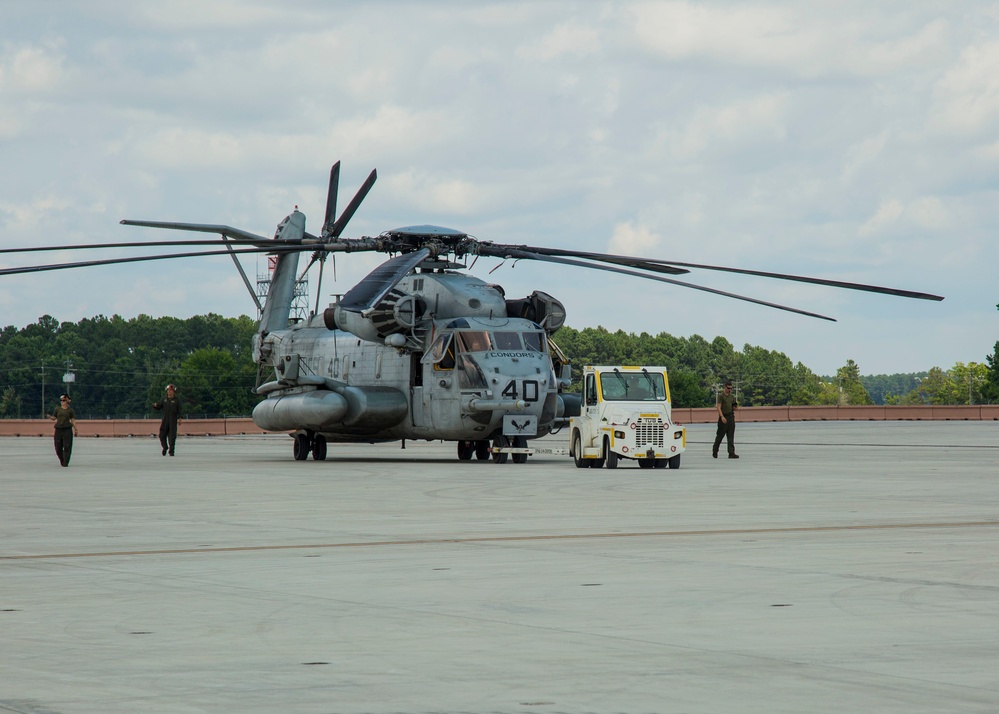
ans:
(632, 239)
(797, 39)
(887, 215)
(31, 69)
(967, 96)
(565, 40)
(432, 194)
(715, 128)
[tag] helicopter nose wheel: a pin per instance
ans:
(301, 447)
(500, 442)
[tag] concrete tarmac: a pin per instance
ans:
(835, 567)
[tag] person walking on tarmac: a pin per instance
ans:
(726, 421)
(170, 405)
(65, 428)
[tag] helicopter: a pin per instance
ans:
(417, 349)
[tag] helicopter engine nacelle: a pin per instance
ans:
(538, 307)
(398, 313)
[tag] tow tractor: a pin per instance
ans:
(626, 413)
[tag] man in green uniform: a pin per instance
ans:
(170, 406)
(726, 421)
(65, 427)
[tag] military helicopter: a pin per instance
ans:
(417, 349)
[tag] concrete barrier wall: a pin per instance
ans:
(131, 427)
(227, 427)
(984, 412)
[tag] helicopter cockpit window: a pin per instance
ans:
(509, 341)
(535, 341)
(474, 341)
(469, 373)
(441, 353)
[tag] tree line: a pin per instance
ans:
(120, 367)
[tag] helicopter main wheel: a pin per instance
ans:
(481, 449)
(465, 449)
(577, 452)
(319, 448)
(646, 463)
(520, 442)
(500, 442)
(674, 462)
(301, 447)
(612, 457)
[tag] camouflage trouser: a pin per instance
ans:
(64, 444)
(168, 430)
(725, 430)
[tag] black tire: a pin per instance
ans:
(576, 449)
(319, 448)
(520, 442)
(482, 450)
(301, 447)
(465, 450)
(500, 442)
(646, 463)
(610, 457)
(674, 462)
(660, 463)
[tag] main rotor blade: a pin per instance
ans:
(227, 231)
(601, 257)
(668, 267)
(567, 261)
(136, 244)
(139, 259)
(348, 212)
(370, 291)
(649, 264)
(330, 218)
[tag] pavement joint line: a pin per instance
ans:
(510, 539)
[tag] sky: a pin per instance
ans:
(847, 140)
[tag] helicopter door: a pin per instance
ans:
(416, 410)
(439, 395)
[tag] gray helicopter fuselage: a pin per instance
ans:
(474, 372)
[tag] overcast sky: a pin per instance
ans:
(850, 140)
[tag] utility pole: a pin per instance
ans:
(70, 376)
(43, 389)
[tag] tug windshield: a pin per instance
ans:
(632, 387)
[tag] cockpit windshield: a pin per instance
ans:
(632, 386)
(448, 344)
(477, 341)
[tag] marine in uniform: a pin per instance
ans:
(65, 428)
(170, 406)
(726, 421)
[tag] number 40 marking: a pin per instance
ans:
(529, 391)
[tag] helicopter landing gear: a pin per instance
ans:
(500, 442)
(465, 450)
(301, 447)
(481, 449)
(319, 448)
